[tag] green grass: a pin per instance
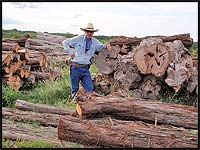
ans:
(14, 33)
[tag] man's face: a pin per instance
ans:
(89, 34)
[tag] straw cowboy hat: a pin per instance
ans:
(89, 27)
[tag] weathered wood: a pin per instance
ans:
(22, 131)
(176, 76)
(138, 109)
(25, 71)
(27, 116)
(24, 55)
(41, 108)
(184, 38)
(41, 75)
(10, 47)
(105, 61)
(150, 87)
(15, 82)
(124, 134)
(153, 58)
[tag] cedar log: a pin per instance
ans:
(124, 134)
(137, 109)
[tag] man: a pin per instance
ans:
(81, 49)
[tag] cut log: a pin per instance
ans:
(176, 76)
(138, 109)
(6, 59)
(13, 67)
(105, 62)
(41, 108)
(25, 71)
(30, 80)
(15, 82)
(127, 73)
(24, 55)
(124, 134)
(27, 116)
(149, 87)
(153, 59)
(10, 47)
(41, 75)
(184, 38)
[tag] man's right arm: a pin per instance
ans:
(69, 45)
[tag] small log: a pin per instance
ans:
(10, 47)
(15, 82)
(152, 59)
(41, 108)
(41, 75)
(149, 87)
(137, 109)
(13, 67)
(25, 71)
(30, 80)
(176, 76)
(124, 134)
(6, 59)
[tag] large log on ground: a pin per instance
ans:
(124, 134)
(138, 109)
(41, 108)
(184, 38)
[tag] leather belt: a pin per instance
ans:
(80, 65)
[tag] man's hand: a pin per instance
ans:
(108, 46)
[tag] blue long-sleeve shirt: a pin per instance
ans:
(79, 43)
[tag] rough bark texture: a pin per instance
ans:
(26, 116)
(41, 108)
(124, 134)
(138, 109)
(184, 38)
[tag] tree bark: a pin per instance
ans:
(184, 38)
(124, 134)
(138, 109)
(22, 131)
(41, 108)
(26, 116)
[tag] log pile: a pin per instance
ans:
(24, 67)
(118, 122)
(143, 67)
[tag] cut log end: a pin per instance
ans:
(78, 109)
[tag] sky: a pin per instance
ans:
(129, 19)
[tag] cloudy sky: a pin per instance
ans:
(111, 18)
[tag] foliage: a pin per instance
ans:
(9, 96)
(27, 144)
(194, 48)
(14, 33)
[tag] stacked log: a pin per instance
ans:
(23, 67)
(144, 66)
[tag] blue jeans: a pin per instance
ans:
(77, 74)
